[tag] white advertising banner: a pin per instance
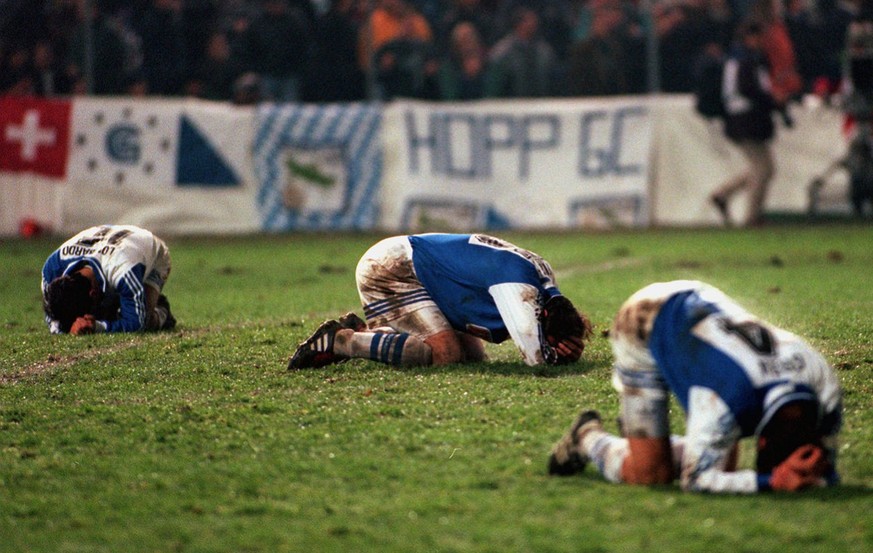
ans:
(185, 166)
(515, 164)
(691, 158)
(174, 166)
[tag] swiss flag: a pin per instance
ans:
(34, 136)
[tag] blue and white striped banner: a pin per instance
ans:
(318, 166)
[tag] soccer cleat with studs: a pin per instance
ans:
(317, 350)
(565, 458)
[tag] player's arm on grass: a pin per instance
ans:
(54, 325)
(517, 304)
(709, 453)
(133, 312)
(832, 422)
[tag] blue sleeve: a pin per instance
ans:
(131, 294)
(830, 427)
(52, 269)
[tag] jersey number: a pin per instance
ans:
(754, 334)
(101, 236)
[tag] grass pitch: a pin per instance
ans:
(199, 440)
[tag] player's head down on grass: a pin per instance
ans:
(69, 297)
(107, 278)
(796, 424)
(435, 299)
(735, 376)
(565, 328)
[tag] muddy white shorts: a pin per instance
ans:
(391, 293)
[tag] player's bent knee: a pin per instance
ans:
(472, 348)
(445, 348)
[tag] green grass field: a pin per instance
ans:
(199, 440)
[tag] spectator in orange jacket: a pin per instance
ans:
(391, 20)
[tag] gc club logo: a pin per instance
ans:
(123, 144)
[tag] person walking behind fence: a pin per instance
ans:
(748, 124)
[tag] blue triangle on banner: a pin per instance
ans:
(198, 164)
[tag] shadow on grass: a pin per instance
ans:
(835, 494)
(504, 368)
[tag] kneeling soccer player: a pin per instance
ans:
(734, 375)
(433, 298)
(107, 278)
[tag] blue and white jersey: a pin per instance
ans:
(701, 339)
(729, 370)
(124, 258)
(486, 286)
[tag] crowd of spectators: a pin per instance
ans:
(345, 50)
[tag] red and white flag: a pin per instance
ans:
(34, 136)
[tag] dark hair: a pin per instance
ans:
(67, 298)
(562, 320)
(795, 424)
